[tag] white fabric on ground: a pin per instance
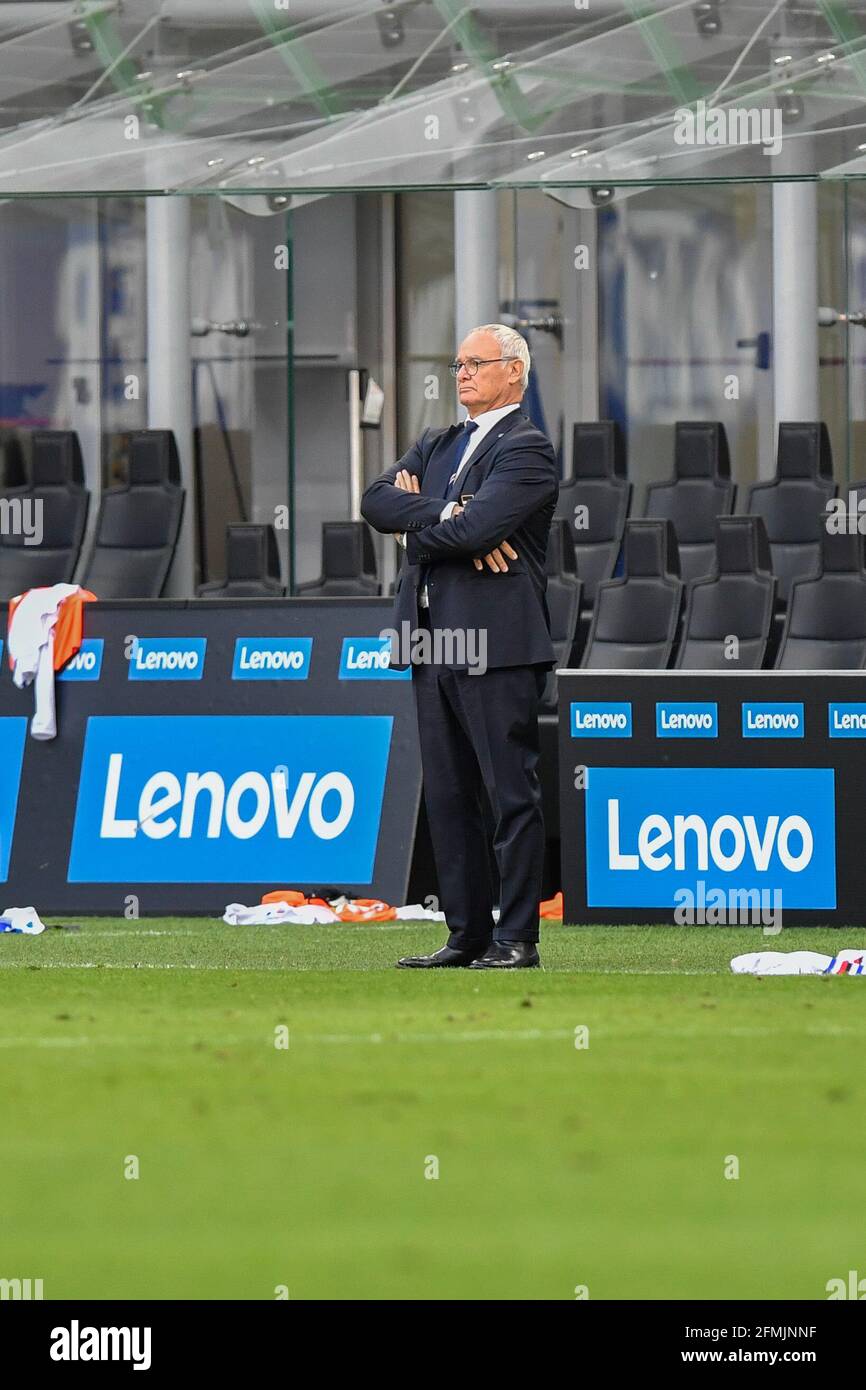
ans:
(24, 919)
(799, 963)
(416, 913)
(267, 914)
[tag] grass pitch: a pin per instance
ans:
(263, 1167)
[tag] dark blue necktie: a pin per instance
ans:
(441, 485)
(463, 441)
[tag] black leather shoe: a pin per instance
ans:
(508, 955)
(442, 959)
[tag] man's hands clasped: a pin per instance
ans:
(495, 561)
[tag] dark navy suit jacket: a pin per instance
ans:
(513, 480)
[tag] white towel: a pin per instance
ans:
(799, 963)
(24, 919)
(266, 914)
(31, 651)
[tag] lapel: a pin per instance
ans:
(486, 445)
(438, 468)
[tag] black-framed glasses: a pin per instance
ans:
(473, 363)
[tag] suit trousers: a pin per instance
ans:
(480, 733)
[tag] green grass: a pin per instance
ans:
(305, 1167)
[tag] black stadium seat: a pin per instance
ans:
(252, 565)
(563, 602)
(139, 523)
(737, 601)
(808, 440)
(595, 502)
(634, 625)
(793, 506)
(13, 472)
(825, 627)
(348, 563)
(57, 489)
(699, 492)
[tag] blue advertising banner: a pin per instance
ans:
(210, 751)
(215, 799)
(13, 733)
(651, 832)
(725, 796)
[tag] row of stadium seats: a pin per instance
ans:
(138, 523)
(136, 530)
(649, 618)
(598, 499)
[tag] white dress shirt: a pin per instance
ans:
(486, 421)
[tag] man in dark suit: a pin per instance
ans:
(473, 505)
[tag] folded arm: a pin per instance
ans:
(519, 485)
(388, 507)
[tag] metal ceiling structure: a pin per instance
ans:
(281, 97)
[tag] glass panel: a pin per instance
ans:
(74, 353)
(50, 330)
(241, 354)
(852, 340)
(427, 397)
(685, 290)
(325, 240)
(833, 342)
(261, 96)
(124, 332)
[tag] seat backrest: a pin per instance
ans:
(804, 449)
(794, 504)
(252, 565)
(349, 566)
(699, 492)
(13, 473)
(853, 512)
(139, 522)
(634, 625)
(563, 602)
(595, 501)
(53, 508)
(736, 602)
(825, 626)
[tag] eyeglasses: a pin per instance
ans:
(473, 363)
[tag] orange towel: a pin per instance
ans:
(367, 910)
(69, 627)
(551, 909)
(375, 910)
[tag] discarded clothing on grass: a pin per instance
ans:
(799, 963)
(25, 920)
(551, 909)
(291, 905)
(288, 905)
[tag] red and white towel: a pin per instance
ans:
(44, 631)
